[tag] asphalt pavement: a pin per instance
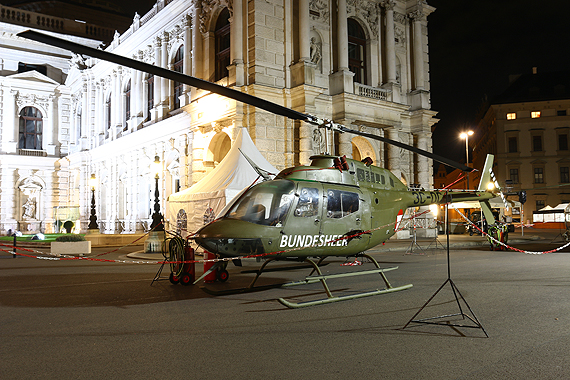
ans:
(84, 319)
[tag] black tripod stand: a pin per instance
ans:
(438, 320)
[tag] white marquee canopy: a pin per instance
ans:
(199, 203)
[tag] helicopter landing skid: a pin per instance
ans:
(313, 279)
(330, 298)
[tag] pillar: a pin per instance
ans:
(187, 65)
(394, 153)
(390, 42)
(418, 50)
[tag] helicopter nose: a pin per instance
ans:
(225, 238)
(205, 237)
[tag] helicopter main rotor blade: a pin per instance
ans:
(169, 74)
(220, 90)
(419, 151)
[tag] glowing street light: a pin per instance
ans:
(93, 227)
(465, 135)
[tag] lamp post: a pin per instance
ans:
(93, 227)
(154, 241)
(156, 224)
(465, 135)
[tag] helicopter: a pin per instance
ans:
(334, 207)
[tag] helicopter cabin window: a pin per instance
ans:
(341, 203)
(266, 204)
(308, 204)
(360, 174)
(391, 182)
(382, 180)
(377, 178)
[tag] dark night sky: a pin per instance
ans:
(474, 45)
(131, 6)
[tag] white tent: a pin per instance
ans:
(551, 214)
(197, 205)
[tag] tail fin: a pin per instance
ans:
(487, 179)
(486, 173)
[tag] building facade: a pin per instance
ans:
(362, 63)
(527, 129)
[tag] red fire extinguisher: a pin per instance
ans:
(207, 265)
(188, 275)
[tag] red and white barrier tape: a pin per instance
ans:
(62, 257)
(483, 233)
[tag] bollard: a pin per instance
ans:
(14, 253)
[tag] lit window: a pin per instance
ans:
(535, 114)
(511, 116)
(538, 175)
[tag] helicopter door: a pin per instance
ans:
(304, 223)
(346, 214)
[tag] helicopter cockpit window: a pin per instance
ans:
(308, 204)
(266, 204)
(341, 203)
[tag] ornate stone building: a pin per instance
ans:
(362, 63)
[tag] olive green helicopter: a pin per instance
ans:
(336, 206)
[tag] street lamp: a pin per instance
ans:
(155, 238)
(465, 135)
(93, 227)
(157, 224)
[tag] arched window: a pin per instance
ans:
(127, 97)
(150, 95)
(222, 51)
(178, 67)
(357, 51)
(31, 129)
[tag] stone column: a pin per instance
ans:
(131, 123)
(305, 143)
(101, 108)
(394, 153)
(345, 142)
(417, 17)
(197, 52)
(118, 106)
(49, 141)
(10, 119)
(187, 65)
(304, 32)
(84, 116)
(141, 104)
(164, 83)
(342, 38)
(236, 44)
(390, 42)
(424, 163)
(342, 80)
(157, 80)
